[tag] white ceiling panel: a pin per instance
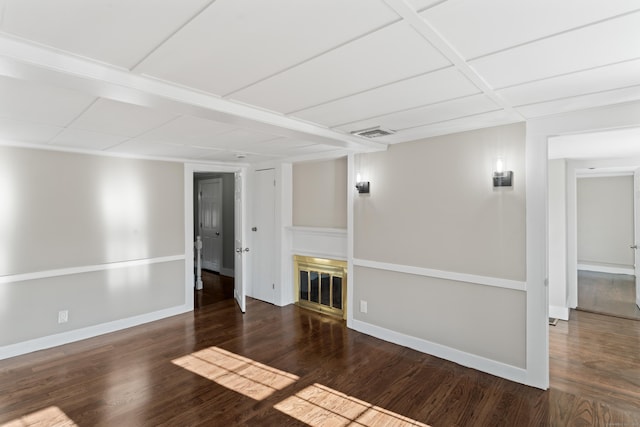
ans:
(86, 140)
(478, 121)
(591, 81)
(187, 130)
(25, 100)
(429, 114)
(119, 118)
(12, 130)
(158, 149)
(581, 102)
(393, 53)
(477, 28)
(422, 4)
(228, 157)
(237, 139)
(117, 32)
(426, 89)
(605, 43)
(237, 42)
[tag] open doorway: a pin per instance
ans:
(213, 223)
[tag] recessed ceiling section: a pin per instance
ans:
(235, 43)
(600, 44)
(478, 28)
(115, 32)
(419, 117)
(601, 79)
(86, 140)
(388, 55)
(188, 130)
(407, 94)
(45, 104)
(17, 131)
(564, 105)
(119, 118)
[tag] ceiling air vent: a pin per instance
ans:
(373, 132)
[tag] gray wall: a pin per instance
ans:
(432, 205)
(557, 233)
(228, 217)
(64, 210)
(320, 193)
(605, 221)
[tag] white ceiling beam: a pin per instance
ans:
(411, 16)
(22, 60)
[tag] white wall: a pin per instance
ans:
(439, 254)
(605, 222)
(320, 193)
(101, 237)
(558, 304)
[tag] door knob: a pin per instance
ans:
(246, 249)
(634, 246)
(239, 250)
(217, 233)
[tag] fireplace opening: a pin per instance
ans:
(321, 285)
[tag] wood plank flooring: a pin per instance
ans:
(215, 288)
(612, 294)
(287, 367)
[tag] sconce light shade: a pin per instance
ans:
(503, 179)
(362, 187)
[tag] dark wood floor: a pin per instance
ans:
(215, 288)
(286, 366)
(605, 293)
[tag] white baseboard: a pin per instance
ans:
(561, 313)
(49, 341)
(469, 360)
(607, 269)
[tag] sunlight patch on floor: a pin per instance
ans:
(318, 405)
(235, 372)
(48, 417)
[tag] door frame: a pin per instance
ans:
(539, 131)
(190, 169)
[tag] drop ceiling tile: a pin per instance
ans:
(423, 4)
(235, 43)
(477, 28)
(595, 80)
(115, 32)
(231, 157)
(426, 89)
(87, 140)
(188, 130)
(39, 103)
(12, 130)
(594, 46)
(237, 140)
(158, 149)
(479, 121)
(581, 102)
(429, 114)
(119, 118)
(393, 53)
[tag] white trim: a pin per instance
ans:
(561, 313)
(589, 173)
(86, 269)
(469, 360)
(351, 177)
(607, 269)
(441, 274)
(319, 242)
(49, 341)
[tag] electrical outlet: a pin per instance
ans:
(363, 306)
(63, 316)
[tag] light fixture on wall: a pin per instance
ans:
(362, 186)
(501, 177)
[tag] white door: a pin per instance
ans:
(263, 236)
(636, 230)
(239, 276)
(210, 195)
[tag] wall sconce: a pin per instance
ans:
(362, 186)
(502, 178)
